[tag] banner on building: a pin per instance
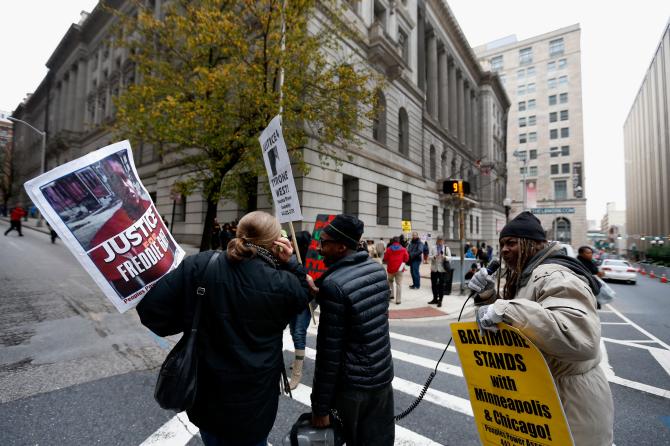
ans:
(314, 261)
(104, 215)
(577, 187)
(531, 193)
(512, 393)
(280, 174)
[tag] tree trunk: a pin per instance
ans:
(206, 241)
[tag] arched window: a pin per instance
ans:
(433, 163)
(379, 120)
(452, 172)
(562, 230)
(403, 132)
(443, 164)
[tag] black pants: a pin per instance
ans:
(14, 224)
(440, 283)
(367, 416)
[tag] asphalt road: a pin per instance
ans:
(75, 371)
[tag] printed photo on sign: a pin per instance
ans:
(100, 209)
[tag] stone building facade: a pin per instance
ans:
(647, 151)
(545, 142)
(6, 137)
(444, 117)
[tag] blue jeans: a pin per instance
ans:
(213, 440)
(414, 269)
(298, 326)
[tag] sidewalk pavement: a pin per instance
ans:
(414, 303)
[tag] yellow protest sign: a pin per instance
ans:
(406, 226)
(513, 395)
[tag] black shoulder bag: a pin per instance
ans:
(178, 378)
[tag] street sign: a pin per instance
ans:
(543, 211)
(406, 226)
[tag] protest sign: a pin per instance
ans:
(513, 395)
(104, 215)
(406, 226)
(280, 174)
(313, 261)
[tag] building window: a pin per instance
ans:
(565, 168)
(403, 41)
(560, 190)
(525, 56)
(565, 150)
(556, 47)
(553, 134)
(382, 205)
(532, 137)
(554, 152)
(531, 104)
(435, 225)
(521, 89)
(522, 106)
(520, 74)
(551, 66)
(565, 132)
(406, 206)
(531, 120)
(470, 223)
(562, 230)
(530, 71)
(530, 88)
(379, 120)
(532, 171)
(349, 195)
(445, 223)
(180, 210)
(554, 169)
(477, 225)
(562, 63)
(433, 163)
(403, 132)
(563, 80)
(563, 98)
(532, 154)
(551, 83)
(564, 115)
(553, 117)
(522, 122)
(496, 63)
(522, 138)
(522, 170)
(552, 99)
(521, 154)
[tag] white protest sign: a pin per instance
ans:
(280, 175)
(99, 208)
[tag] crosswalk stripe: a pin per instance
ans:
(427, 363)
(401, 337)
(438, 397)
(403, 436)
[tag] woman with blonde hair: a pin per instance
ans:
(252, 293)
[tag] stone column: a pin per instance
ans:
(421, 45)
(466, 114)
(444, 88)
(69, 99)
(475, 123)
(460, 128)
(60, 108)
(453, 96)
(80, 101)
(431, 57)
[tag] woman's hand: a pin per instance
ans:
(312, 287)
(283, 249)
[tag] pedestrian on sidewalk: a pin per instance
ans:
(395, 257)
(380, 246)
(15, 219)
(550, 298)
(299, 324)
(354, 367)
(52, 234)
(483, 256)
(255, 289)
(415, 250)
(439, 271)
(372, 251)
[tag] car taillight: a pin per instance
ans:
(604, 268)
(631, 270)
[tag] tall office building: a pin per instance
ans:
(545, 143)
(647, 151)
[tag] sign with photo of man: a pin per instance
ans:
(100, 209)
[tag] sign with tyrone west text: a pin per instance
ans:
(280, 175)
(512, 393)
(104, 215)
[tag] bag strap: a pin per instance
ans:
(200, 292)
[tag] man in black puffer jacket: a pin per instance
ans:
(354, 367)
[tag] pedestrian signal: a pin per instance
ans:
(456, 187)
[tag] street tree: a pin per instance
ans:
(208, 84)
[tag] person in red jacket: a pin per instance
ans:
(395, 257)
(15, 219)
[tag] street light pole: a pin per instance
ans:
(43, 153)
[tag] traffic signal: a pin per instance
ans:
(456, 187)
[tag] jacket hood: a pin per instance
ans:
(552, 254)
(396, 247)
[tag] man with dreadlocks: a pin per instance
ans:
(550, 298)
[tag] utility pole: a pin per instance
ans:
(461, 224)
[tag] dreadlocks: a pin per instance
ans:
(512, 273)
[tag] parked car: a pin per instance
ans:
(614, 269)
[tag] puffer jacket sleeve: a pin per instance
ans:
(162, 309)
(560, 318)
(329, 347)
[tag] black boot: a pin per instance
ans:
(434, 301)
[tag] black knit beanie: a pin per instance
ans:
(524, 225)
(346, 229)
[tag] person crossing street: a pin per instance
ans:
(15, 219)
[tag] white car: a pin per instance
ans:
(618, 270)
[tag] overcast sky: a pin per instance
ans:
(619, 40)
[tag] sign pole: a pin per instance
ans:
(461, 225)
